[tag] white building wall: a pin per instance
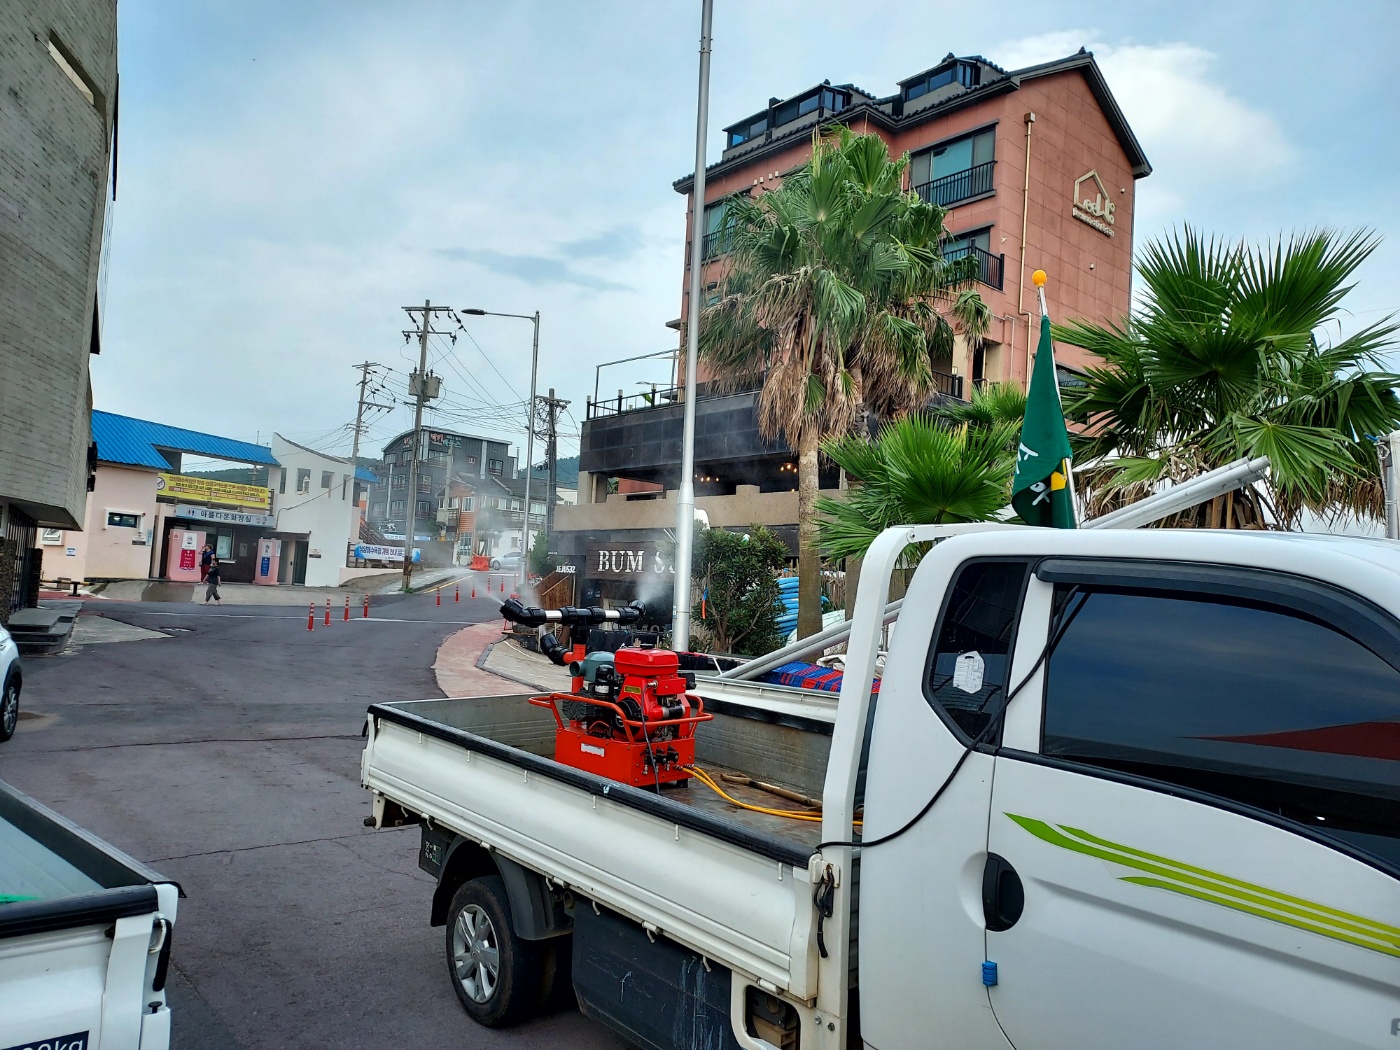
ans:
(328, 515)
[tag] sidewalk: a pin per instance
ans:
(478, 661)
(256, 594)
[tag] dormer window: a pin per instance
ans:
(825, 99)
(749, 129)
(968, 74)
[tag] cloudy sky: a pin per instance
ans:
(292, 174)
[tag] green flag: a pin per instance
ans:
(1041, 492)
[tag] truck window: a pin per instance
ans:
(1246, 701)
(978, 628)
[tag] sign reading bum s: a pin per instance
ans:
(626, 561)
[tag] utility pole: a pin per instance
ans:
(547, 411)
(685, 496)
(423, 387)
(360, 410)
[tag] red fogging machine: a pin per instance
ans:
(629, 717)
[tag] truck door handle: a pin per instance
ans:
(1003, 896)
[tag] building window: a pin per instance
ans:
(748, 129)
(438, 456)
(344, 486)
(397, 506)
(536, 509)
(118, 519)
(424, 508)
(495, 466)
(471, 461)
(303, 480)
(282, 482)
(74, 72)
(954, 171)
(718, 224)
(376, 510)
(1248, 702)
(326, 478)
(967, 670)
(978, 245)
(467, 502)
(968, 74)
(826, 99)
(517, 504)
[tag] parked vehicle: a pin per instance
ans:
(85, 935)
(1115, 789)
(11, 682)
(510, 560)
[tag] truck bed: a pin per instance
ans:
(730, 883)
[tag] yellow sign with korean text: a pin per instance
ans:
(225, 493)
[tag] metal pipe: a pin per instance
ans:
(1188, 494)
(530, 452)
(685, 497)
(1021, 276)
(1144, 512)
(598, 370)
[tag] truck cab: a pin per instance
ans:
(1176, 820)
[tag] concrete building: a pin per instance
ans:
(318, 513)
(443, 455)
(1034, 167)
(58, 86)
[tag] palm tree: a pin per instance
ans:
(1224, 359)
(991, 405)
(831, 297)
(919, 470)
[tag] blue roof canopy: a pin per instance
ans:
(363, 474)
(136, 442)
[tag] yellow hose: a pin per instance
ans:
(790, 814)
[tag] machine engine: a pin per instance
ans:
(629, 716)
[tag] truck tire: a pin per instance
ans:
(495, 974)
(9, 706)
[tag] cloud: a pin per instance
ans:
(533, 269)
(614, 244)
(1187, 120)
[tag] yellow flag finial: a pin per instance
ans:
(1038, 278)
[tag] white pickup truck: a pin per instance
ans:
(1115, 789)
(85, 934)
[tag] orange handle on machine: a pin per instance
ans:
(644, 728)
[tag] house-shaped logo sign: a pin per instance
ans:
(1092, 203)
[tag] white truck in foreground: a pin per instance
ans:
(85, 935)
(1115, 789)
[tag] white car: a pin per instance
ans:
(11, 679)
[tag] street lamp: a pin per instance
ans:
(529, 426)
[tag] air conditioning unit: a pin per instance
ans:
(447, 516)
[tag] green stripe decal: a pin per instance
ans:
(1206, 885)
(10, 898)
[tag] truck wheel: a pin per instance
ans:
(9, 707)
(495, 974)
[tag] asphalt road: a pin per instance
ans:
(227, 757)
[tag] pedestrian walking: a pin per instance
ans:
(211, 582)
(206, 558)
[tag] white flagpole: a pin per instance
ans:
(1067, 465)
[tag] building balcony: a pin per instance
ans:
(957, 187)
(640, 436)
(991, 269)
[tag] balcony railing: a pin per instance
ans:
(947, 385)
(991, 268)
(616, 406)
(958, 186)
